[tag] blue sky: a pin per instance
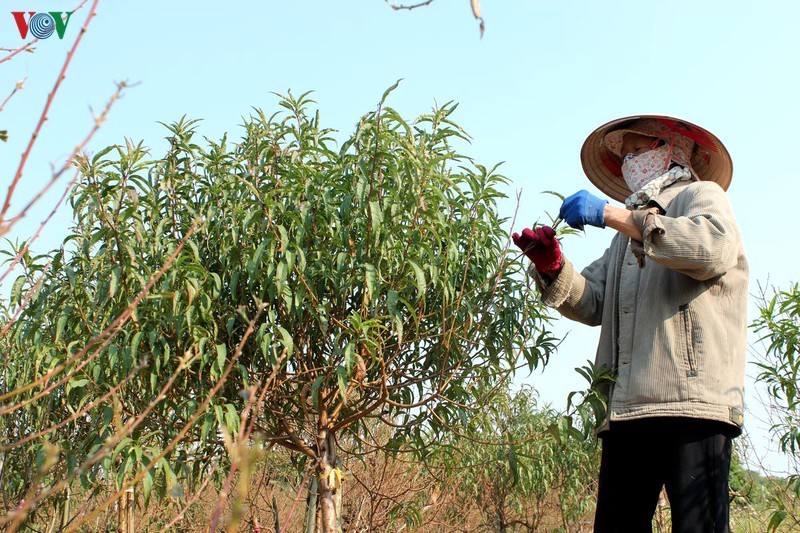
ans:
(542, 78)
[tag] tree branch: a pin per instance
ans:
(27, 47)
(61, 75)
(17, 87)
(409, 7)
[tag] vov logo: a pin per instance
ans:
(42, 25)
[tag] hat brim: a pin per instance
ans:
(710, 162)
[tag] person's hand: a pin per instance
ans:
(583, 208)
(541, 247)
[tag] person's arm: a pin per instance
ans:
(622, 221)
(576, 295)
(701, 240)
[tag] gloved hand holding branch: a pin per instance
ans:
(541, 247)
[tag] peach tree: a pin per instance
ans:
(285, 289)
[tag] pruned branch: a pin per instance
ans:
(475, 5)
(408, 7)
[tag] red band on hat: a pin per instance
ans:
(611, 163)
(697, 136)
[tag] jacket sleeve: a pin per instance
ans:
(577, 296)
(701, 240)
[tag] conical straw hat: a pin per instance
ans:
(600, 155)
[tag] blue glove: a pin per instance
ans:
(583, 208)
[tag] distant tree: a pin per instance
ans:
(281, 290)
(524, 466)
(779, 323)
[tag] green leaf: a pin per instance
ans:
(284, 237)
(115, 276)
(76, 384)
(315, 391)
(195, 251)
(390, 89)
(70, 272)
(147, 486)
(288, 343)
(16, 289)
(349, 357)
(513, 465)
(135, 344)
(420, 277)
(169, 475)
(369, 278)
(217, 284)
(776, 519)
(208, 423)
(252, 265)
(341, 380)
(222, 355)
(231, 418)
(62, 322)
(376, 214)
(391, 302)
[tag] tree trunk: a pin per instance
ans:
(275, 514)
(122, 513)
(131, 510)
(65, 509)
(125, 512)
(337, 500)
(329, 482)
(311, 506)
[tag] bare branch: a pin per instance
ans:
(38, 232)
(61, 75)
(27, 47)
(397, 7)
(17, 87)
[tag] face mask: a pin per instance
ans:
(639, 170)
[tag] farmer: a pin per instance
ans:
(669, 295)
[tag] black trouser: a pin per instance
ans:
(690, 457)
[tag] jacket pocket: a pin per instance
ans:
(687, 325)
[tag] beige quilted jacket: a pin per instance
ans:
(672, 309)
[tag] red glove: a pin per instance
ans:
(541, 247)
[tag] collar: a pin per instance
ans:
(654, 187)
(665, 197)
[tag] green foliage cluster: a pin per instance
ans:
(525, 466)
(281, 289)
(779, 324)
